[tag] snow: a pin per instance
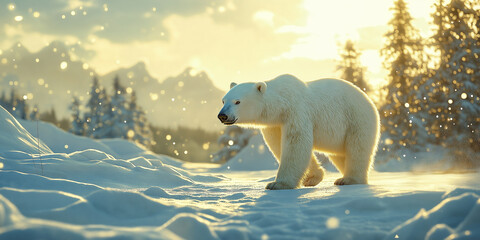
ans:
(113, 189)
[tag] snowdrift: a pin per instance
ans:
(70, 187)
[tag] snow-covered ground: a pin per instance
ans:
(70, 187)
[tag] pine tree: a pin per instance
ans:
(78, 126)
(92, 115)
(138, 123)
(351, 68)
(403, 55)
(49, 116)
(117, 126)
(17, 106)
(454, 99)
(232, 141)
(35, 115)
(98, 111)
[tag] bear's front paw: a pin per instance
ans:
(278, 186)
(348, 181)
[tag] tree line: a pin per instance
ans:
(430, 98)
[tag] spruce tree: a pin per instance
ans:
(138, 123)
(350, 66)
(455, 92)
(77, 126)
(34, 114)
(97, 111)
(118, 123)
(91, 118)
(403, 55)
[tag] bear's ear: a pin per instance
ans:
(261, 86)
(232, 85)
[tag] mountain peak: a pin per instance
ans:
(17, 51)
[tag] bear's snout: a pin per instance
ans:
(222, 117)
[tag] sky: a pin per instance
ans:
(232, 40)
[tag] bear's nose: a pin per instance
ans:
(222, 117)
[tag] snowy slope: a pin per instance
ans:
(121, 191)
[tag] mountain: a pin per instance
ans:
(188, 99)
(50, 78)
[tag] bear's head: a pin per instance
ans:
(243, 103)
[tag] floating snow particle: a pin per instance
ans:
(464, 96)
(63, 65)
(173, 99)
(11, 7)
(1, 165)
(206, 146)
(130, 133)
(450, 101)
(230, 142)
(396, 235)
(181, 84)
(407, 105)
(184, 109)
(168, 137)
(332, 223)
(63, 16)
(73, 13)
(388, 141)
(105, 7)
(347, 212)
(36, 14)
(85, 66)
(153, 96)
(185, 152)
(261, 149)
(18, 18)
(37, 60)
(24, 97)
(66, 146)
(129, 90)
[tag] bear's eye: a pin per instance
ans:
(237, 102)
(223, 102)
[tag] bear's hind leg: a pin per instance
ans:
(358, 160)
(314, 175)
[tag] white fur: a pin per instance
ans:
(328, 115)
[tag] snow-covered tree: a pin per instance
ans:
(232, 141)
(16, 105)
(97, 109)
(455, 92)
(350, 66)
(35, 114)
(78, 125)
(138, 123)
(403, 55)
(116, 126)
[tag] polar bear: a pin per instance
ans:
(327, 115)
